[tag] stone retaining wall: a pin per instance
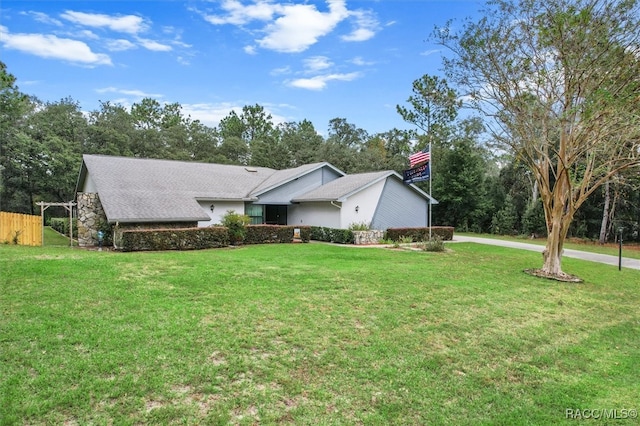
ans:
(367, 237)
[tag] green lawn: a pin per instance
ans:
(312, 334)
(54, 238)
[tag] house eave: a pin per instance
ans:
(298, 176)
(314, 200)
(227, 200)
(158, 219)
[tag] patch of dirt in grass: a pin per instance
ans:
(181, 389)
(240, 413)
(152, 405)
(216, 358)
(187, 396)
(56, 257)
(147, 271)
(204, 402)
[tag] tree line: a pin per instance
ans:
(478, 190)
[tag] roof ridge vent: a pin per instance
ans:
(251, 169)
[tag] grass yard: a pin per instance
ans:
(54, 238)
(312, 334)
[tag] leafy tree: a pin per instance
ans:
(266, 149)
(203, 142)
(47, 151)
(373, 155)
(434, 105)
(558, 81)
(251, 138)
(147, 119)
(233, 147)
(397, 144)
(231, 126)
(301, 141)
(14, 105)
(459, 180)
(504, 220)
(111, 131)
(386, 151)
(517, 183)
(343, 143)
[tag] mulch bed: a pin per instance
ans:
(565, 278)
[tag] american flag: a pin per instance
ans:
(419, 157)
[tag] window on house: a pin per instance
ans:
(255, 213)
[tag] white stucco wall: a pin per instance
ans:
(219, 210)
(367, 202)
(314, 214)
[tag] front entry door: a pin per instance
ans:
(275, 215)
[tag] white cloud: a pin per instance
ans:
(320, 82)
(239, 14)
(250, 50)
(360, 34)
(87, 34)
(281, 71)
(120, 45)
(317, 63)
(154, 45)
(358, 60)
(130, 24)
(429, 52)
(43, 18)
(366, 26)
(30, 82)
(292, 27)
(301, 25)
(134, 93)
(53, 47)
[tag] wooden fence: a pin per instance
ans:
(24, 229)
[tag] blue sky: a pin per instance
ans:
(314, 60)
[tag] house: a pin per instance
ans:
(148, 193)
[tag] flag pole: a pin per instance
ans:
(430, 179)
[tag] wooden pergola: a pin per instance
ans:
(68, 206)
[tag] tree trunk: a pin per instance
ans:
(552, 253)
(605, 214)
(559, 214)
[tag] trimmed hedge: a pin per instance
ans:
(205, 238)
(264, 234)
(420, 234)
(174, 239)
(332, 235)
(305, 233)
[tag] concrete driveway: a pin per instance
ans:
(593, 257)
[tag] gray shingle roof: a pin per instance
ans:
(281, 177)
(147, 190)
(343, 187)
